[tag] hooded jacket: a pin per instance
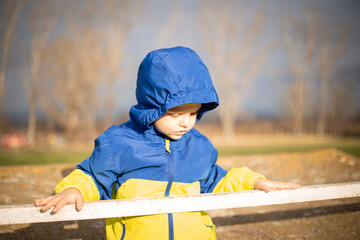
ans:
(134, 160)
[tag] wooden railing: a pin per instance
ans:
(16, 214)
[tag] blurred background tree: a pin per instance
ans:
(70, 66)
(233, 40)
(41, 21)
(12, 10)
(314, 47)
(86, 60)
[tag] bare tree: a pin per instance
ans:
(118, 18)
(300, 40)
(41, 22)
(341, 101)
(232, 41)
(82, 69)
(12, 13)
(314, 49)
(332, 47)
(72, 76)
(72, 72)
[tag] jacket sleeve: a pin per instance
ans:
(216, 174)
(94, 177)
(221, 180)
(81, 181)
(237, 179)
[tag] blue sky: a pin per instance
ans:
(265, 97)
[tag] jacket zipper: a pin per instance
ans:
(124, 230)
(168, 187)
(171, 167)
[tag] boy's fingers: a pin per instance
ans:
(288, 185)
(293, 186)
(266, 189)
(284, 185)
(79, 203)
(50, 203)
(41, 201)
(37, 202)
(60, 204)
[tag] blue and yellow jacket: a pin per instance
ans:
(134, 160)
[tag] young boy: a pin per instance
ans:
(158, 153)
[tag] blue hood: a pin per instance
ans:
(168, 78)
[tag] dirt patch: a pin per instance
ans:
(335, 219)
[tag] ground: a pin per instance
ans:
(332, 219)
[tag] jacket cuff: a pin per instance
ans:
(238, 179)
(81, 181)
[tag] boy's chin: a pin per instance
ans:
(175, 137)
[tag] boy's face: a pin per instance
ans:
(178, 120)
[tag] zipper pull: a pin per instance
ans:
(167, 145)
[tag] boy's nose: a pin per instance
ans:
(185, 121)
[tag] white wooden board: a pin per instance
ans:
(16, 214)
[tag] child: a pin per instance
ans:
(158, 153)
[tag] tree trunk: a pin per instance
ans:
(13, 10)
(31, 119)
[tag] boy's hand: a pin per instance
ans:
(268, 185)
(58, 201)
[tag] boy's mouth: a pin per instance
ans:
(180, 132)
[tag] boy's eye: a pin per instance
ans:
(194, 114)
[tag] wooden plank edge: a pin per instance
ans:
(17, 214)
